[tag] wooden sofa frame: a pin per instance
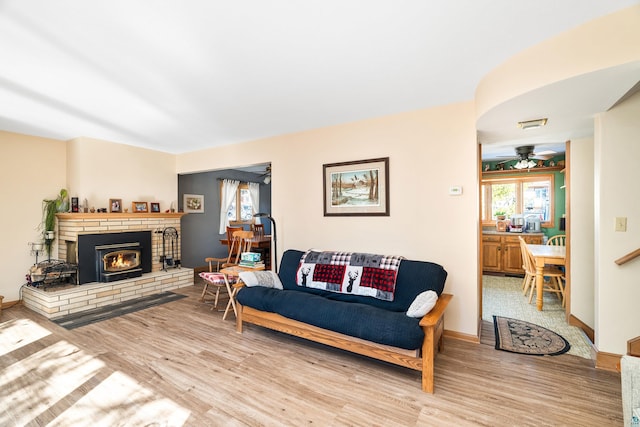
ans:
(420, 360)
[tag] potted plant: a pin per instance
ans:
(49, 209)
(501, 215)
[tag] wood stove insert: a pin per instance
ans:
(107, 257)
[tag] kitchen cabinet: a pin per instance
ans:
(501, 251)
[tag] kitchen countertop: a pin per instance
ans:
(509, 233)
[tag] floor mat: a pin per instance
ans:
(88, 317)
(518, 336)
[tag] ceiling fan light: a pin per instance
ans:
(531, 164)
(532, 124)
(520, 164)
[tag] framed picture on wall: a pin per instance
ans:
(193, 203)
(155, 207)
(140, 207)
(357, 188)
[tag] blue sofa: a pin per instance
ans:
(361, 324)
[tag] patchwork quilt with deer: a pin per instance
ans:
(350, 272)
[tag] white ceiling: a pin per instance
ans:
(179, 76)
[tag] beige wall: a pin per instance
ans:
(429, 151)
(100, 170)
(582, 231)
(617, 288)
(32, 169)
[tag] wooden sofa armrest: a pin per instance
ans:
(433, 326)
(432, 317)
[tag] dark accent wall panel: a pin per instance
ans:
(200, 237)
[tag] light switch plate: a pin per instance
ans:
(455, 190)
(621, 223)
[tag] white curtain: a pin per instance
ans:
(254, 192)
(229, 189)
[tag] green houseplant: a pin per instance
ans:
(500, 214)
(49, 209)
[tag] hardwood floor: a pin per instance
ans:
(180, 364)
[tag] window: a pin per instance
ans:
(240, 211)
(530, 195)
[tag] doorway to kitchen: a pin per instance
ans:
(530, 202)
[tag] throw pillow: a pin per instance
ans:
(423, 304)
(268, 279)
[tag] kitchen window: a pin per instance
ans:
(530, 195)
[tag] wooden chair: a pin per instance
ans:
(528, 279)
(265, 254)
(555, 275)
(258, 229)
(219, 261)
(240, 242)
(557, 240)
(213, 283)
(213, 280)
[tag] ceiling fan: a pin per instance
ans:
(525, 155)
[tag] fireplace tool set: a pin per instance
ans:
(169, 249)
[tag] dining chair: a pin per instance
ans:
(214, 280)
(258, 229)
(555, 275)
(240, 242)
(528, 280)
(557, 240)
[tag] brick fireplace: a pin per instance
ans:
(55, 303)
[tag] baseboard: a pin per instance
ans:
(574, 321)
(607, 361)
(200, 269)
(462, 337)
(10, 304)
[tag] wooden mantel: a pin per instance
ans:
(122, 215)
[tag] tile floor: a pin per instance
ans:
(502, 296)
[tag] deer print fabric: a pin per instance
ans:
(350, 272)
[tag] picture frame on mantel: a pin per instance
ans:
(155, 207)
(193, 203)
(356, 188)
(115, 205)
(140, 207)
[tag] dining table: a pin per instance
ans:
(545, 254)
(263, 241)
